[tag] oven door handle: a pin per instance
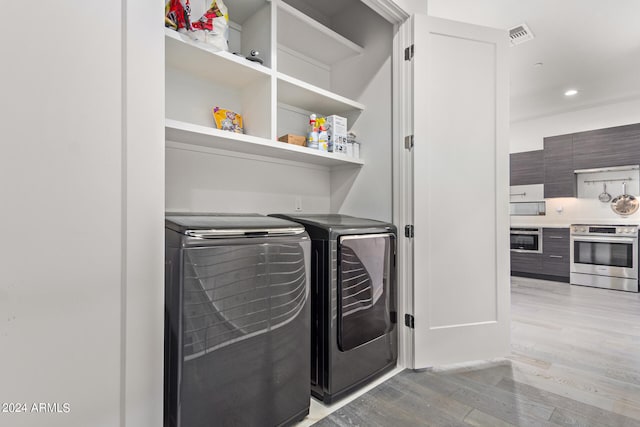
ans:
(599, 239)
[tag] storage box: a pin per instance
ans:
(293, 139)
(337, 133)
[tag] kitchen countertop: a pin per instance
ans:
(567, 225)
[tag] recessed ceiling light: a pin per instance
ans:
(571, 92)
(538, 64)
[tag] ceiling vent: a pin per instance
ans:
(520, 34)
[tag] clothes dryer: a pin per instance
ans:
(353, 302)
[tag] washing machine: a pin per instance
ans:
(353, 302)
(237, 321)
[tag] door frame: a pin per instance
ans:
(402, 166)
(403, 183)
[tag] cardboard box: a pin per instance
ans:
(293, 139)
(337, 132)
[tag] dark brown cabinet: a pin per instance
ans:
(555, 252)
(527, 168)
(526, 263)
(559, 179)
(617, 146)
(602, 148)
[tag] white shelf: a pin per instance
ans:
(189, 133)
(217, 66)
(312, 98)
(301, 33)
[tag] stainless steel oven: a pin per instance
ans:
(605, 256)
(526, 239)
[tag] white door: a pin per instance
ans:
(460, 195)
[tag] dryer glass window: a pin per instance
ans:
(365, 275)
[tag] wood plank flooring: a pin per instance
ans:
(575, 361)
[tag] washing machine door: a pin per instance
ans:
(366, 288)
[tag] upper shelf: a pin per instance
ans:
(217, 66)
(312, 98)
(203, 136)
(301, 33)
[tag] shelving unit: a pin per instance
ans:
(199, 78)
(188, 133)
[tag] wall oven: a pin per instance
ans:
(526, 239)
(605, 256)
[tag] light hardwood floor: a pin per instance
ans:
(575, 361)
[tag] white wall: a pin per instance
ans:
(528, 135)
(80, 271)
(61, 174)
(202, 180)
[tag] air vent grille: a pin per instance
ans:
(520, 34)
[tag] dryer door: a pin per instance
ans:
(366, 288)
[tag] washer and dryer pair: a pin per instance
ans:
(255, 303)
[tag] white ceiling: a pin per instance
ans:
(589, 45)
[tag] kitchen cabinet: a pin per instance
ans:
(559, 179)
(527, 168)
(555, 252)
(522, 262)
(617, 146)
(551, 264)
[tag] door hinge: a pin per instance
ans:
(408, 231)
(408, 142)
(408, 53)
(393, 316)
(409, 321)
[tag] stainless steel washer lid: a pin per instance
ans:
(334, 220)
(211, 226)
